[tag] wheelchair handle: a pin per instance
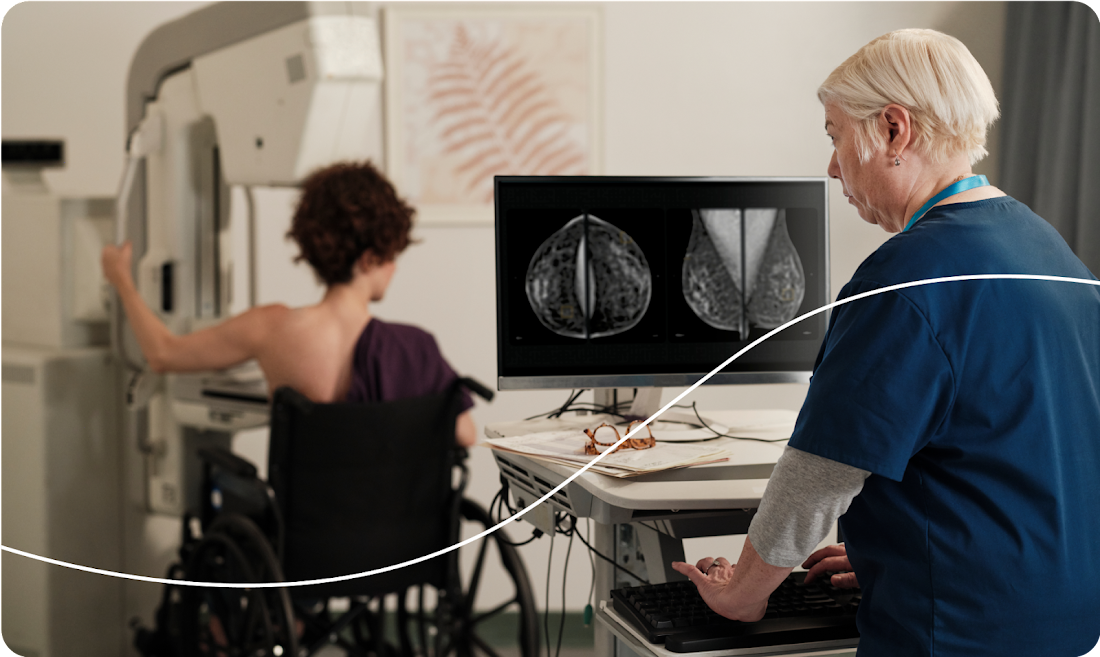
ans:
(475, 386)
(227, 460)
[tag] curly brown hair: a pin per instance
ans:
(346, 209)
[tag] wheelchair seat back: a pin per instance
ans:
(363, 486)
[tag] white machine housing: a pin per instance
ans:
(294, 99)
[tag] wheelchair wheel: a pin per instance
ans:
(458, 619)
(231, 622)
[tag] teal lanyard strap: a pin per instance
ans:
(955, 188)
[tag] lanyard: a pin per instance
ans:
(954, 188)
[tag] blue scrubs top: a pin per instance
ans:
(976, 407)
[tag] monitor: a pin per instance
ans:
(620, 282)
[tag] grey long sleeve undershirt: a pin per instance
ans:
(805, 495)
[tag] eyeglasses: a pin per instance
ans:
(592, 447)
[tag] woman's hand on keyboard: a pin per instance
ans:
(832, 558)
(714, 579)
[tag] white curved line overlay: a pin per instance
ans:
(689, 390)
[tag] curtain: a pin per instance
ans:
(1050, 119)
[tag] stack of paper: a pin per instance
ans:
(567, 448)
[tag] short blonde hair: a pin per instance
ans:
(929, 73)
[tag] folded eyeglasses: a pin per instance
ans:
(592, 447)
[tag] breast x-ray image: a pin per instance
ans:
(589, 280)
(742, 269)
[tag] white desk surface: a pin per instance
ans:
(737, 483)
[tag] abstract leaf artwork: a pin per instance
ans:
(486, 95)
(740, 272)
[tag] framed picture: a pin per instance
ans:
(472, 93)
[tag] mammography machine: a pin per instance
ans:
(232, 95)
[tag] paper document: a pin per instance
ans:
(567, 448)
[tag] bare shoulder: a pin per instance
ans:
(260, 320)
(274, 312)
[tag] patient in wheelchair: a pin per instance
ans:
(350, 225)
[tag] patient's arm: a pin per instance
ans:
(465, 431)
(230, 343)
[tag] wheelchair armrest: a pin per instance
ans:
(475, 386)
(227, 460)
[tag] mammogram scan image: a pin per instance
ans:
(589, 279)
(742, 269)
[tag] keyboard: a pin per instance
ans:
(675, 614)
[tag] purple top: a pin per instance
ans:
(398, 361)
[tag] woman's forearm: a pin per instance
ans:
(152, 335)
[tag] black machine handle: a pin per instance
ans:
(475, 386)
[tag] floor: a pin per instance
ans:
(576, 640)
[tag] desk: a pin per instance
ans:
(648, 515)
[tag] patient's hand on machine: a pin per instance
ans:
(116, 263)
(831, 559)
(230, 343)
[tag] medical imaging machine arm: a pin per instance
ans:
(237, 93)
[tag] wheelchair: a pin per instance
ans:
(351, 488)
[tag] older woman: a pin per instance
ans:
(350, 226)
(956, 426)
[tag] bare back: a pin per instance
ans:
(310, 349)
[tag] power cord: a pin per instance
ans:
(571, 404)
(546, 613)
(719, 434)
(501, 500)
(564, 575)
(592, 588)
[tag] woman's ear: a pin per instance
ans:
(897, 124)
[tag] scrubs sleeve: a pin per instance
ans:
(881, 389)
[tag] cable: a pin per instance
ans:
(595, 552)
(501, 499)
(718, 434)
(572, 405)
(546, 613)
(592, 588)
(564, 574)
(565, 406)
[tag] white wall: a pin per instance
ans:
(690, 89)
(64, 69)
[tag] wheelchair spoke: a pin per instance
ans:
(485, 647)
(475, 577)
(489, 614)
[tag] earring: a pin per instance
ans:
(897, 160)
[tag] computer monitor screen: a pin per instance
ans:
(633, 282)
